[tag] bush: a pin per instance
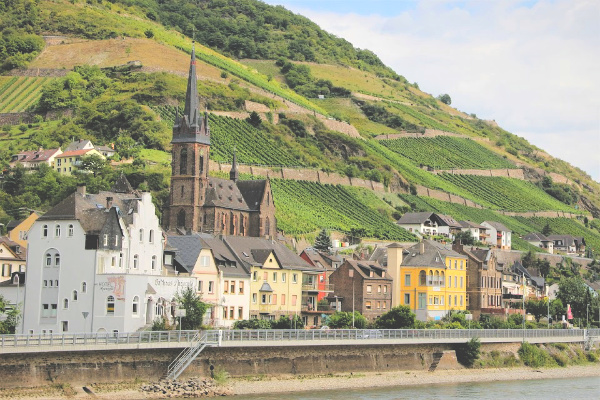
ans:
(467, 353)
(532, 355)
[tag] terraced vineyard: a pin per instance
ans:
(305, 207)
(506, 193)
(445, 152)
(252, 145)
(17, 94)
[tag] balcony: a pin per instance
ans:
(317, 287)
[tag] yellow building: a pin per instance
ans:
(69, 161)
(18, 230)
(12, 258)
(429, 278)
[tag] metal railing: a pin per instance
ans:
(74, 339)
(187, 356)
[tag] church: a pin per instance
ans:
(200, 203)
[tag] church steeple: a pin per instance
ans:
(191, 126)
(234, 175)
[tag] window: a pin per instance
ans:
(224, 312)
(384, 305)
(83, 287)
(57, 260)
(294, 299)
(422, 301)
(422, 278)
(253, 298)
(205, 261)
(369, 289)
(283, 276)
(75, 295)
(70, 231)
(53, 308)
(240, 312)
(226, 287)
(274, 300)
(211, 286)
(110, 305)
(455, 280)
(183, 162)
(232, 288)
(45, 283)
(56, 283)
(265, 276)
(65, 326)
(294, 278)
(461, 281)
(449, 300)
(50, 283)
(254, 276)
(200, 286)
(455, 300)
(407, 280)
(116, 240)
(283, 299)
(45, 310)
(368, 305)
(141, 236)
(113, 262)
(151, 236)
(135, 261)
(135, 305)
(45, 231)
(153, 264)
(385, 289)
(231, 312)
(48, 259)
(455, 262)
(461, 264)
(120, 260)
(66, 304)
(241, 287)
(274, 276)
(379, 289)
(105, 240)
(263, 299)
(378, 305)
(461, 300)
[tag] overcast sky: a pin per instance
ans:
(533, 66)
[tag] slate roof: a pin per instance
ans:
(13, 224)
(415, 218)
(253, 192)
(471, 224)
(364, 267)
(433, 256)
(187, 249)
(568, 240)
(448, 220)
(224, 257)
(13, 248)
(498, 226)
(317, 259)
(247, 248)
(224, 193)
(535, 237)
(79, 145)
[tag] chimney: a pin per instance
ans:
(109, 201)
(81, 189)
(422, 247)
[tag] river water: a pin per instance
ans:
(543, 389)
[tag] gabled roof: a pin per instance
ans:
(74, 153)
(434, 255)
(79, 145)
(568, 240)
(470, 224)
(36, 155)
(224, 193)
(187, 249)
(122, 185)
(365, 267)
(497, 225)
(447, 220)
(317, 259)
(415, 218)
(12, 247)
(535, 237)
(224, 258)
(253, 192)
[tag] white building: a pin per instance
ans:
(95, 265)
(499, 235)
(420, 222)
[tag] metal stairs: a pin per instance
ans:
(187, 356)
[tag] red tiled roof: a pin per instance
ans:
(36, 155)
(74, 153)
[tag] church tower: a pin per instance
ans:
(190, 151)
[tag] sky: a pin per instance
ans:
(532, 66)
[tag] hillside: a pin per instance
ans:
(80, 82)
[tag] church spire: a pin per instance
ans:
(191, 95)
(234, 174)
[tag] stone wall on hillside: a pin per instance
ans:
(516, 173)
(429, 133)
(342, 127)
(43, 72)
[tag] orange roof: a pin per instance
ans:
(74, 153)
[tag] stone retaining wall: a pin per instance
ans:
(429, 133)
(516, 173)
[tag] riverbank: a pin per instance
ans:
(286, 384)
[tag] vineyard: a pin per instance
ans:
(506, 193)
(304, 207)
(252, 145)
(19, 93)
(445, 152)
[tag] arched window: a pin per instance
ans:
(430, 281)
(151, 236)
(436, 282)
(181, 219)
(267, 227)
(135, 261)
(141, 236)
(83, 287)
(268, 198)
(71, 230)
(201, 161)
(75, 295)
(232, 220)
(110, 305)
(422, 278)
(135, 305)
(45, 231)
(57, 231)
(183, 162)
(48, 259)
(153, 262)
(66, 304)
(57, 260)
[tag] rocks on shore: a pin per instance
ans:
(195, 387)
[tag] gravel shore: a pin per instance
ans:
(405, 378)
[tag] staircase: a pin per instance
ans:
(187, 356)
(436, 360)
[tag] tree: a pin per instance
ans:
(254, 119)
(528, 260)
(9, 317)
(573, 291)
(94, 164)
(546, 230)
(467, 353)
(323, 241)
(464, 237)
(397, 318)
(445, 98)
(343, 320)
(284, 322)
(537, 308)
(194, 308)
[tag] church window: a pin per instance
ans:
(181, 219)
(183, 162)
(182, 190)
(201, 161)
(232, 221)
(268, 198)
(267, 227)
